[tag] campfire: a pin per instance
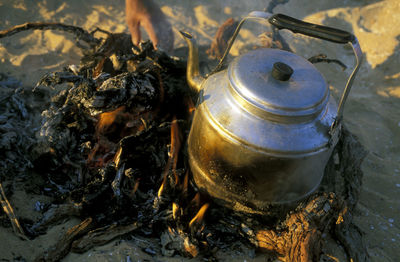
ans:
(112, 151)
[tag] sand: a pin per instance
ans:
(372, 111)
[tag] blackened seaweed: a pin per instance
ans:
(147, 81)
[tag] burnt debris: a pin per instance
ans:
(110, 150)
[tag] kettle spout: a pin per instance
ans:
(193, 76)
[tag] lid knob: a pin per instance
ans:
(281, 71)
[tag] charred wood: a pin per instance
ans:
(80, 33)
(56, 214)
(298, 237)
(63, 246)
(101, 236)
(321, 58)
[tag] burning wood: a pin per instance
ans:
(116, 183)
(173, 241)
(198, 219)
(190, 105)
(161, 189)
(190, 248)
(175, 210)
(175, 147)
(117, 157)
(135, 188)
(185, 184)
(196, 200)
(107, 119)
(173, 153)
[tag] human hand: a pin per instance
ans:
(147, 14)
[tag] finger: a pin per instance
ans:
(134, 28)
(149, 27)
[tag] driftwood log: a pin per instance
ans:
(329, 211)
(101, 236)
(63, 246)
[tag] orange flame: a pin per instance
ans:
(196, 200)
(190, 248)
(103, 146)
(117, 157)
(114, 125)
(190, 105)
(174, 150)
(107, 118)
(135, 187)
(200, 215)
(98, 68)
(93, 152)
(175, 146)
(175, 209)
(162, 187)
(186, 182)
(123, 121)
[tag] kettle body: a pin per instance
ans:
(263, 129)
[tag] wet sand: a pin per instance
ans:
(372, 111)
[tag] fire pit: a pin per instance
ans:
(112, 152)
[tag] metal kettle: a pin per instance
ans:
(265, 127)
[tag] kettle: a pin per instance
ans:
(264, 128)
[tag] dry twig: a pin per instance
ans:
(11, 215)
(221, 38)
(79, 32)
(323, 58)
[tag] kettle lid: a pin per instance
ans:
(278, 85)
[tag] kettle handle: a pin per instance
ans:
(281, 21)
